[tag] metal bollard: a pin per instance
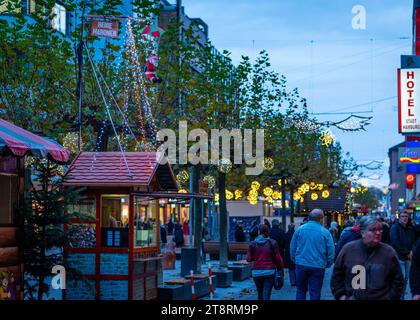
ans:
(211, 282)
(192, 285)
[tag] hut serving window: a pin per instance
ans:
(115, 220)
(145, 225)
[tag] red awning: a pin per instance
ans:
(20, 142)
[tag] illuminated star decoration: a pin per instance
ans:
(327, 138)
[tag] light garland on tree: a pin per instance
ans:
(276, 195)
(325, 194)
(229, 195)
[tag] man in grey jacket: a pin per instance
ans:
(312, 250)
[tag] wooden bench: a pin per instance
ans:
(234, 248)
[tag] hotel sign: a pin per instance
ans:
(409, 101)
(108, 29)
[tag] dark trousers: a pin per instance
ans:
(264, 286)
(309, 277)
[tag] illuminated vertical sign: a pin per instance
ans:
(408, 101)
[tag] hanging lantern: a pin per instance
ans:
(314, 196)
(268, 164)
(325, 194)
(255, 185)
(210, 180)
(268, 191)
(225, 165)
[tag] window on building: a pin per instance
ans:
(9, 198)
(115, 220)
(83, 235)
(59, 20)
(145, 222)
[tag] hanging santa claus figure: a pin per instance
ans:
(150, 70)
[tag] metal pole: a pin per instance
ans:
(80, 79)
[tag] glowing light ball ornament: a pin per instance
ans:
(313, 186)
(255, 185)
(296, 196)
(238, 194)
(327, 138)
(314, 196)
(225, 165)
(268, 164)
(276, 195)
(268, 192)
(210, 180)
(182, 176)
(229, 195)
(325, 194)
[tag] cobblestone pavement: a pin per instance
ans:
(245, 290)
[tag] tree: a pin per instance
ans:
(44, 216)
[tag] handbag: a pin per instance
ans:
(279, 275)
(279, 279)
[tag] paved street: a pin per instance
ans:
(245, 290)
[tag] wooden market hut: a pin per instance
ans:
(118, 252)
(15, 144)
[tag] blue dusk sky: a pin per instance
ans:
(337, 68)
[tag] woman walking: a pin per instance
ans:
(264, 252)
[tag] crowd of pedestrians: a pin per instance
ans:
(372, 258)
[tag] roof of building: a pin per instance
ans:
(102, 169)
(335, 202)
(400, 145)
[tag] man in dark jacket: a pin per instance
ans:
(349, 235)
(403, 239)
(278, 234)
(415, 273)
(367, 269)
(253, 232)
(288, 263)
(239, 232)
